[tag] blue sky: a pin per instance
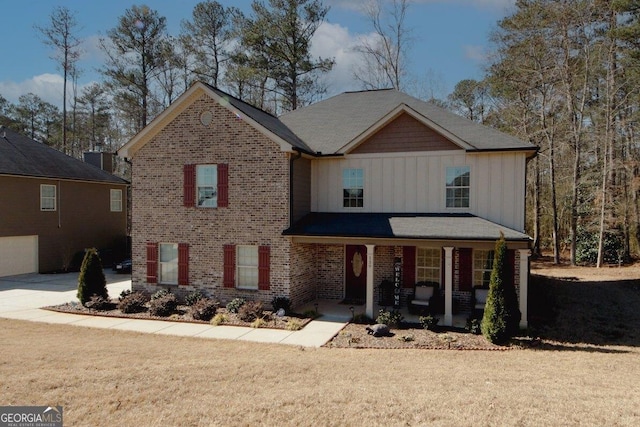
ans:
(450, 40)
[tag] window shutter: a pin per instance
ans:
(223, 185)
(465, 269)
(189, 195)
(229, 279)
(264, 269)
(183, 264)
(152, 262)
(408, 266)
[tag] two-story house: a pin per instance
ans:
(324, 202)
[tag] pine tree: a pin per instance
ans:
(91, 280)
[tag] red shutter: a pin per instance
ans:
(223, 185)
(264, 262)
(152, 262)
(229, 279)
(408, 266)
(189, 196)
(465, 269)
(183, 264)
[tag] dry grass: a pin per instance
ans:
(105, 378)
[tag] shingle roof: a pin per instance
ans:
(22, 156)
(331, 124)
(265, 119)
(405, 226)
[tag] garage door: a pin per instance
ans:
(18, 255)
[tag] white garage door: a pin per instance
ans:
(18, 255)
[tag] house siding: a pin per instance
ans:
(258, 200)
(82, 219)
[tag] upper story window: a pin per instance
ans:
(428, 265)
(168, 269)
(482, 267)
(353, 188)
(458, 185)
(116, 200)
(47, 197)
(207, 185)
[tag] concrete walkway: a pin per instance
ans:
(22, 296)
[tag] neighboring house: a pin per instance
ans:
(326, 201)
(54, 206)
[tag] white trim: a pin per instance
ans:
(256, 267)
(113, 191)
(54, 197)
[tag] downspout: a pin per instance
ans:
(291, 160)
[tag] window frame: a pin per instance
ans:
(482, 267)
(115, 204)
(213, 175)
(351, 184)
(161, 275)
(450, 186)
(424, 268)
(242, 267)
(53, 198)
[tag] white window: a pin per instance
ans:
(168, 265)
(47, 197)
(116, 200)
(247, 267)
(428, 265)
(353, 188)
(458, 185)
(482, 266)
(207, 185)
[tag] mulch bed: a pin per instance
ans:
(181, 315)
(413, 336)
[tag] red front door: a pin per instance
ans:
(356, 272)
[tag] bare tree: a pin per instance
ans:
(384, 54)
(60, 34)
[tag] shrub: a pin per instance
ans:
(389, 318)
(250, 311)
(219, 319)
(428, 322)
(361, 319)
(613, 247)
(193, 297)
(99, 303)
(134, 302)
(473, 326)
(235, 305)
(293, 325)
(91, 280)
(124, 294)
(203, 309)
(501, 312)
(311, 314)
(258, 323)
(163, 306)
(159, 294)
(281, 302)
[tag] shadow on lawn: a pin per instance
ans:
(591, 313)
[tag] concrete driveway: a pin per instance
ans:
(22, 296)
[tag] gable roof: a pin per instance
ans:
(262, 121)
(22, 156)
(340, 123)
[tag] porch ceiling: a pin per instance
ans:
(402, 226)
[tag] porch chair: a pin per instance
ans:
(423, 295)
(479, 300)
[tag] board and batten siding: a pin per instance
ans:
(415, 183)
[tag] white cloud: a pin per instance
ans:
(47, 86)
(500, 5)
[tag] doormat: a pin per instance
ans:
(352, 301)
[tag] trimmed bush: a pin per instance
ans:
(219, 319)
(99, 303)
(163, 306)
(389, 318)
(250, 311)
(235, 305)
(501, 313)
(193, 297)
(134, 302)
(159, 294)
(281, 302)
(91, 280)
(124, 294)
(203, 309)
(428, 322)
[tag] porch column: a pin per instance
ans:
(524, 286)
(448, 286)
(369, 298)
